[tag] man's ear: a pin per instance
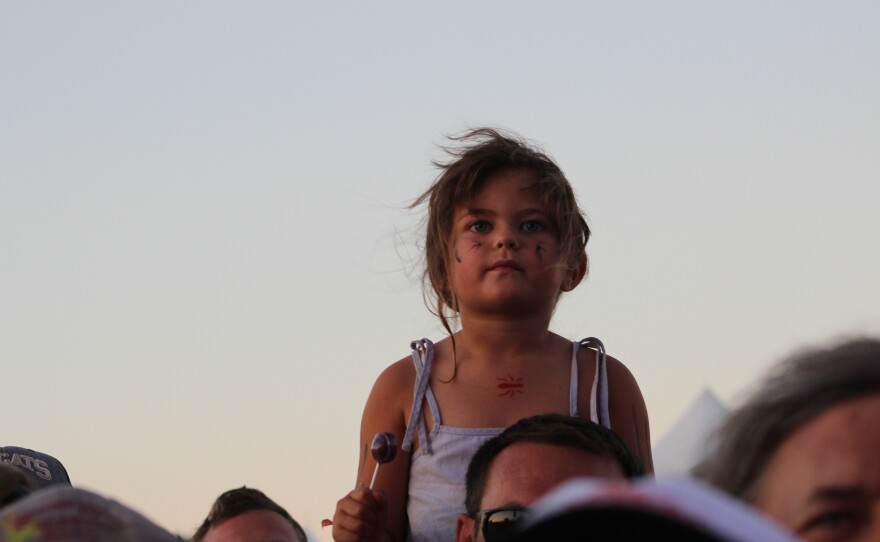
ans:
(576, 274)
(464, 528)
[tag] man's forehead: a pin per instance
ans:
(524, 471)
(264, 525)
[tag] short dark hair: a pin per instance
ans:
(548, 429)
(14, 484)
(796, 391)
(238, 501)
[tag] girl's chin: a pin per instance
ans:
(511, 306)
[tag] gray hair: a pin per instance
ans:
(797, 390)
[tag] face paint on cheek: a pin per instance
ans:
(474, 246)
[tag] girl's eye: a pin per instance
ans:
(480, 226)
(532, 226)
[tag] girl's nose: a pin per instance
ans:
(506, 239)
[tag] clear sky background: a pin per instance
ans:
(207, 256)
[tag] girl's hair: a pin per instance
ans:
(796, 392)
(474, 157)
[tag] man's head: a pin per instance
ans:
(803, 447)
(529, 458)
(14, 484)
(41, 469)
(246, 514)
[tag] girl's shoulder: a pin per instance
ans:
(396, 382)
(389, 402)
(621, 380)
(398, 376)
(622, 385)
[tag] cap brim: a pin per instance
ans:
(596, 510)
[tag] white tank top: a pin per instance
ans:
(437, 472)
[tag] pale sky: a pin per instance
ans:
(207, 257)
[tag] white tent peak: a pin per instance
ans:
(682, 446)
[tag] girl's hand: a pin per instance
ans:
(361, 516)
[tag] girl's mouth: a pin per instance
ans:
(505, 265)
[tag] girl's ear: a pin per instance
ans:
(576, 274)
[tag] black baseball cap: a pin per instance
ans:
(42, 469)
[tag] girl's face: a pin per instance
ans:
(505, 256)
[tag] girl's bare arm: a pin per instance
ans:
(363, 515)
(629, 415)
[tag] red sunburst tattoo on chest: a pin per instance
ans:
(510, 386)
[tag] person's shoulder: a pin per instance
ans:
(628, 411)
(620, 372)
(401, 372)
(622, 385)
(394, 385)
(390, 399)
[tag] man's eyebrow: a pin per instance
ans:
(834, 493)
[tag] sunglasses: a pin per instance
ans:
(500, 524)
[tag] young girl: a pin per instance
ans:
(505, 238)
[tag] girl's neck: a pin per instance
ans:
(486, 337)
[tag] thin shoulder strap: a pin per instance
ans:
(599, 393)
(423, 357)
(573, 382)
